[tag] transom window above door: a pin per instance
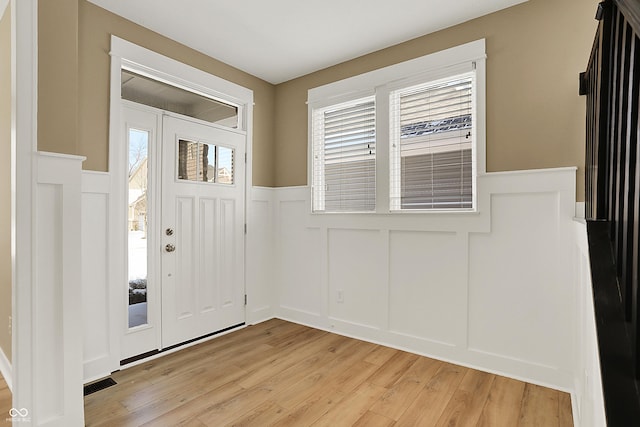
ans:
(154, 93)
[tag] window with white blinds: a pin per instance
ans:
(409, 137)
(431, 152)
(344, 157)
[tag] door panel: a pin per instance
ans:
(208, 254)
(203, 203)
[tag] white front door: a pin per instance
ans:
(202, 229)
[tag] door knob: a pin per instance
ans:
(169, 247)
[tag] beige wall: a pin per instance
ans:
(58, 76)
(535, 117)
(77, 96)
(5, 181)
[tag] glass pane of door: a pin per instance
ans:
(138, 226)
(225, 165)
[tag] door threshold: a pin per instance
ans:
(154, 354)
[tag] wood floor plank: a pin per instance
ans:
(221, 349)
(428, 406)
(352, 407)
(284, 364)
(323, 376)
(565, 416)
(178, 406)
(311, 409)
(351, 378)
(242, 402)
(371, 419)
(198, 382)
(395, 401)
(539, 407)
(262, 415)
(380, 355)
(467, 402)
(502, 408)
(5, 399)
(109, 410)
(206, 405)
(283, 374)
(289, 354)
(390, 371)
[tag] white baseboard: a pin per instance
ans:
(259, 315)
(6, 370)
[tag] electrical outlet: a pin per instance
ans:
(340, 296)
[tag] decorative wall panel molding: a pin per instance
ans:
(490, 289)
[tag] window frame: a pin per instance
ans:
(469, 57)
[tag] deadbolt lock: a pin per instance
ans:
(169, 231)
(169, 247)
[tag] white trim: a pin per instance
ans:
(24, 120)
(57, 325)
(6, 370)
(419, 67)
(260, 255)
(95, 230)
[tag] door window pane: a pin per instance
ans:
(225, 165)
(208, 163)
(138, 224)
(188, 160)
(203, 162)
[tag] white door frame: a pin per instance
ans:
(159, 67)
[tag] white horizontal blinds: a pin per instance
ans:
(345, 157)
(432, 139)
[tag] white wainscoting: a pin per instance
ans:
(56, 298)
(100, 335)
(260, 255)
(587, 398)
(491, 290)
(505, 289)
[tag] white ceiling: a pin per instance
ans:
(278, 40)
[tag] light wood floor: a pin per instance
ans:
(282, 374)
(5, 402)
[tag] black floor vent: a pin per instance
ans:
(98, 385)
